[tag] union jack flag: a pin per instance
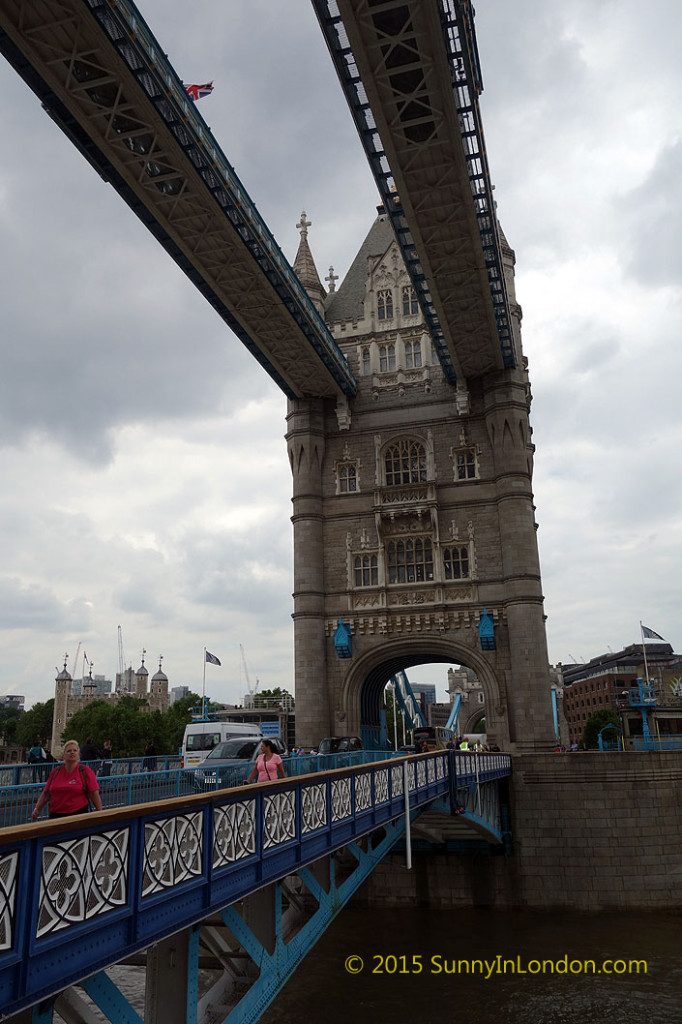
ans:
(195, 92)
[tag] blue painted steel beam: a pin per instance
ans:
(453, 720)
(277, 967)
(407, 700)
(111, 1001)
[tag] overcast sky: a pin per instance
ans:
(145, 478)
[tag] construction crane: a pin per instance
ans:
(121, 662)
(252, 688)
(75, 660)
(121, 659)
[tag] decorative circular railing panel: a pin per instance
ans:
(234, 832)
(8, 893)
(173, 852)
(81, 879)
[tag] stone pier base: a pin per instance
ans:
(590, 832)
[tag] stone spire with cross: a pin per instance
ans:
(304, 266)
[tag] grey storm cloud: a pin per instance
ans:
(37, 607)
(144, 467)
(653, 214)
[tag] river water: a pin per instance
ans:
(494, 947)
(323, 990)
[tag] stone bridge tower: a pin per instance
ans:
(413, 516)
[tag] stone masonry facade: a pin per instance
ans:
(413, 515)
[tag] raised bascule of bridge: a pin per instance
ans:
(414, 533)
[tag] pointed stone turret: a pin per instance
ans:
(141, 677)
(158, 689)
(347, 303)
(62, 693)
(304, 266)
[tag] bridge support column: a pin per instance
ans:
(171, 981)
(306, 446)
(528, 691)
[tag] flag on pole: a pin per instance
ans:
(648, 634)
(197, 92)
(211, 659)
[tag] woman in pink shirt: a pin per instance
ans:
(70, 787)
(268, 765)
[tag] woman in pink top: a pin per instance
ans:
(70, 787)
(268, 764)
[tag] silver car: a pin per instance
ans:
(230, 762)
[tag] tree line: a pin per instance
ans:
(125, 723)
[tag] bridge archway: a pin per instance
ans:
(363, 688)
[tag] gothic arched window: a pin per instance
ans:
(386, 358)
(410, 304)
(366, 571)
(465, 464)
(413, 355)
(456, 563)
(410, 561)
(385, 304)
(347, 476)
(405, 463)
(366, 361)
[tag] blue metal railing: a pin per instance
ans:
(24, 773)
(128, 784)
(79, 894)
(672, 742)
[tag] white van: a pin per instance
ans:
(201, 737)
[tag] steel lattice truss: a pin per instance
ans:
(410, 73)
(104, 79)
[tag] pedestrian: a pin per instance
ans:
(149, 760)
(90, 754)
(268, 764)
(37, 756)
(70, 788)
(107, 760)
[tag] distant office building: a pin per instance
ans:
(12, 700)
(438, 714)
(100, 683)
(125, 681)
(606, 682)
(179, 693)
(425, 690)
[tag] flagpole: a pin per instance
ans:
(646, 667)
(204, 688)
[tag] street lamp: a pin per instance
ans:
(621, 704)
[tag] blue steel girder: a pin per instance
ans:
(104, 79)
(407, 700)
(410, 74)
(277, 965)
(453, 719)
(80, 894)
